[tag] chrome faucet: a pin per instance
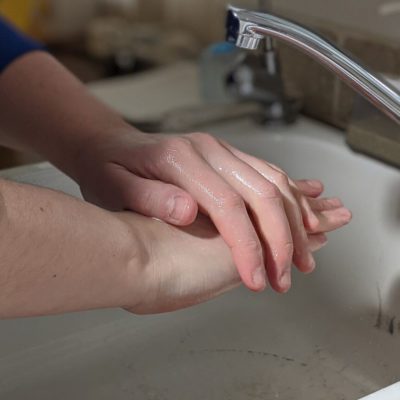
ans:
(249, 29)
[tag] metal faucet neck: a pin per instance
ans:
(248, 29)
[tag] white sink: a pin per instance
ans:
(335, 336)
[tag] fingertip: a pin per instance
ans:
(315, 184)
(343, 215)
(182, 210)
(311, 266)
(347, 214)
(259, 289)
(284, 290)
(317, 242)
(285, 282)
(191, 215)
(255, 281)
(259, 280)
(281, 288)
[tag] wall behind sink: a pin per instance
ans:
(376, 17)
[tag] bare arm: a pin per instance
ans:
(264, 218)
(59, 254)
(44, 108)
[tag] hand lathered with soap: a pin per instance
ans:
(227, 217)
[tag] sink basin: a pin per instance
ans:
(335, 336)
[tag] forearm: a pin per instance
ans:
(58, 254)
(44, 108)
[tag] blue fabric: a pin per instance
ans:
(14, 44)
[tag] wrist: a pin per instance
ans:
(180, 267)
(132, 285)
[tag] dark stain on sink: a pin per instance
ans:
(379, 317)
(385, 321)
(391, 325)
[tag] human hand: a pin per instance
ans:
(267, 220)
(263, 217)
(171, 279)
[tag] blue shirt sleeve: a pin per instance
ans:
(14, 44)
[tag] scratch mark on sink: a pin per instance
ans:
(379, 318)
(251, 353)
(385, 321)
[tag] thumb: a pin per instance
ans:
(155, 199)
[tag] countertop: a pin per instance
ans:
(152, 94)
(147, 96)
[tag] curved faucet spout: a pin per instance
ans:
(248, 29)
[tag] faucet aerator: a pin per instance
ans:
(248, 41)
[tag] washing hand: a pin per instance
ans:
(267, 220)
(172, 279)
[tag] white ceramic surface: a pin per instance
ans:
(335, 336)
(389, 393)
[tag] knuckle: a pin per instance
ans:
(269, 191)
(231, 201)
(250, 246)
(172, 150)
(282, 180)
(279, 169)
(178, 144)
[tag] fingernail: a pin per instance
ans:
(286, 281)
(177, 208)
(324, 239)
(260, 278)
(346, 214)
(315, 184)
(312, 264)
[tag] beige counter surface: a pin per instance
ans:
(148, 96)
